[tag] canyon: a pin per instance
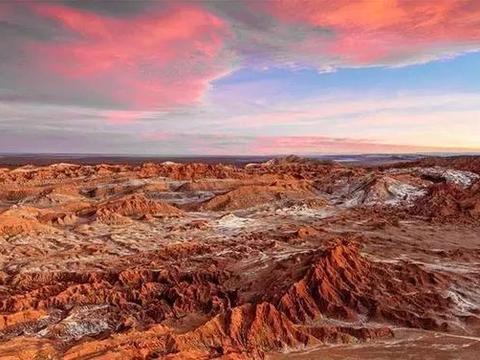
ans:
(290, 258)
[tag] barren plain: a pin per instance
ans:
(285, 259)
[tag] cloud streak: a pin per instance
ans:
(408, 123)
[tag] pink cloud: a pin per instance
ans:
(162, 59)
(215, 144)
(366, 31)
(269, 145)
(155, 136)
(122, 116)
(168, 56)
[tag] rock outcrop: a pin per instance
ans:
(249, 196)
(445, 202)
(134, 206)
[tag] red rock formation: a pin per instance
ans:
(21, 221)
(341, 284)
(136, 206)
(189, 171)
(463, 163)
(446, 202)
(344, 285)
(256, 329)
(248, 196)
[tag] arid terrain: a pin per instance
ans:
(285, 259)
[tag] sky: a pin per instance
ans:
(240, 77)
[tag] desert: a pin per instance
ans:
(290, 258)
(240, 180)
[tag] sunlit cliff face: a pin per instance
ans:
(246, 77)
